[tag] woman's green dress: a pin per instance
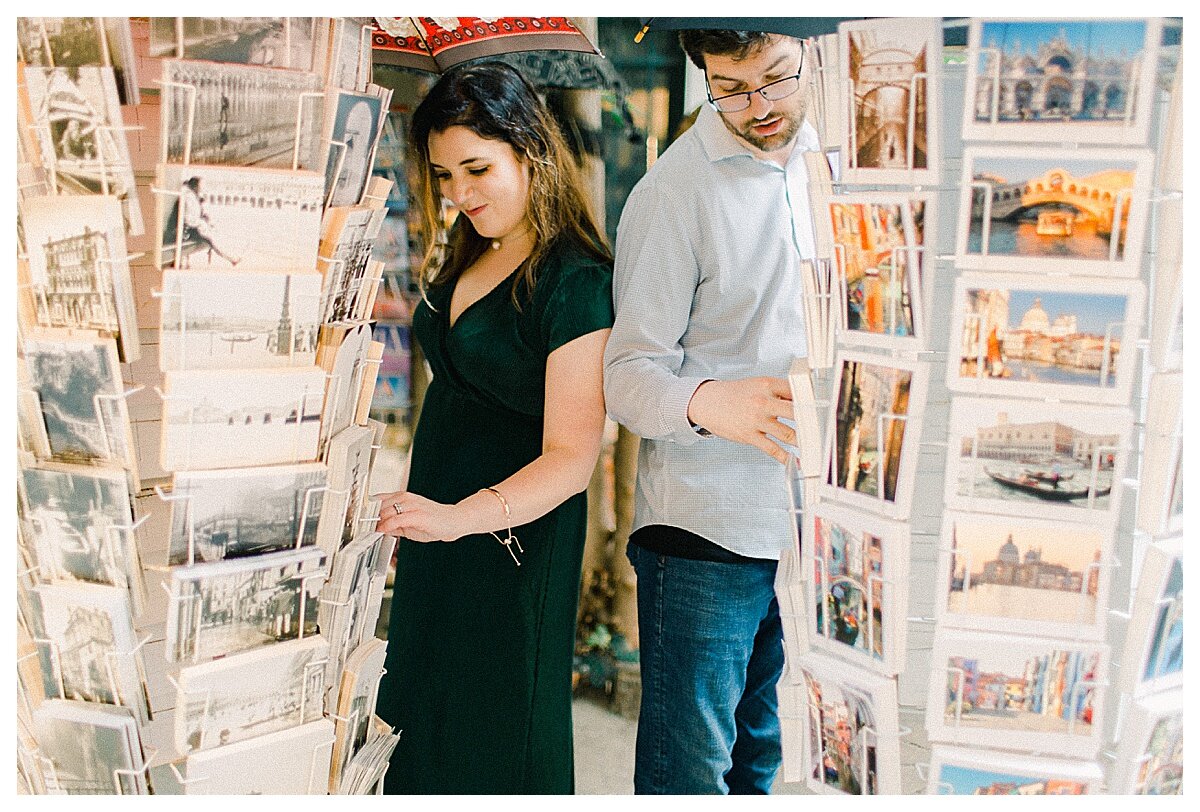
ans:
(479, 657)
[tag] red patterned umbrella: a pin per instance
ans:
(436, 44)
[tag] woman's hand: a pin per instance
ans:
(419, 519)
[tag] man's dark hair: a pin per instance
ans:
(720, 42)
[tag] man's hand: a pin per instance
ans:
(746, 411)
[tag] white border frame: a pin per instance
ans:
(1128, 265)
(1092, 628)
(1064, 132)
(963, 426)
(941, 756)
(1139, 636)
(1126, 360)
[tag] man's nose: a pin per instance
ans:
(760, 106)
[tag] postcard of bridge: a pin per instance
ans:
(1062, 81)
(1011, 456)
(1049, 337)
(1053, 209)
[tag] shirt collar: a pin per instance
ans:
(719, 143)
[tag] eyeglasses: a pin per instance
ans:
(772, 91)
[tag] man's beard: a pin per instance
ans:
(770, 143)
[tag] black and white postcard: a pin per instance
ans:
(250, 694)
(356, 703)
(348, 236)
(93, 749)
(343, 611)
(343, 354)
(242, 115)
(224, 319)
(239, 512)
(275, 42)
(75, 42)
(349, 461)
(238, 418)
(357, 123)
(252, 767)
(229, 606)
(252, 219)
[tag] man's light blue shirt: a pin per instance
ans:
(708, 285)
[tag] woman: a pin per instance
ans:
(517, 308)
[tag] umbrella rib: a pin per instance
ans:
(419, 27)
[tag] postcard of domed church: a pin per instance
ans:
(1064, 81)
(1053, 209)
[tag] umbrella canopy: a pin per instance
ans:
(436, 44)
(799, 27)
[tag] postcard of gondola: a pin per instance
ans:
(1017, 456)
(224, 607)
(1053, 210)
(250, 694)
(96, 749)
(91, 645)
(851, 731)
(251, 767)
(77, 121)
(1061, 80)
(890, 68)
(239, 512)
(1065, 338)
(241, 418)
(1149, 758)
(274, 42)
(251, 219)
(999, 572)
(878, 243)
(856, 567)
(871, 451)
(224, 319)
(973, 771)
(1017, 692)
(242, 115)
(79, 266)
(1153, 659)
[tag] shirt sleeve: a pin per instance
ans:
(578, 301)
(654, 284)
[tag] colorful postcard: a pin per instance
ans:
(962, 771)
(1017, 692)
(878, 242)
(855, 564)
(852, 734)
(1153, 658)
(1013, 456)
(1150, 748)
(1062, 81)
(1052, 578)
(1070, 339)
(871, 454)
(238, 320)
(1053, 209)
(891, 70)
(276, 42)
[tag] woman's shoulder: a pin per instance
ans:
(567, 262)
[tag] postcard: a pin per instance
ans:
(357, 123)
(251, 767)
(79, 266)
(241, 115)
(1049, 338)
(1017, 692)
(276, 42)
(240, 418)
(855, 564)
(77, 378)
(225, 607)
(1150, 748)
(77, 120)
(1162, 456)
(252, 219)
(962, 771)
(851, 729)
(250, 694)
(1048, 578)
(891, 70)
(239, 512)
(878, 242)
(1153, 658)
(93, 749)
(91, 647)
(1166, 305)
(343, 354)
(238, 320)
(1053, 209)
(1061, 80)
(871, 453)
(356, 704)
(350, 53)
(344, 598)
(76, 42)
(348, 237)
(1012, 456)
(349, 461)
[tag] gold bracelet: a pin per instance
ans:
(511, 540)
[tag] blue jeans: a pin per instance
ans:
(711, 653)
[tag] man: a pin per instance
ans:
(709, 305)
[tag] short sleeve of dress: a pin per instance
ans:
(575, 299)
